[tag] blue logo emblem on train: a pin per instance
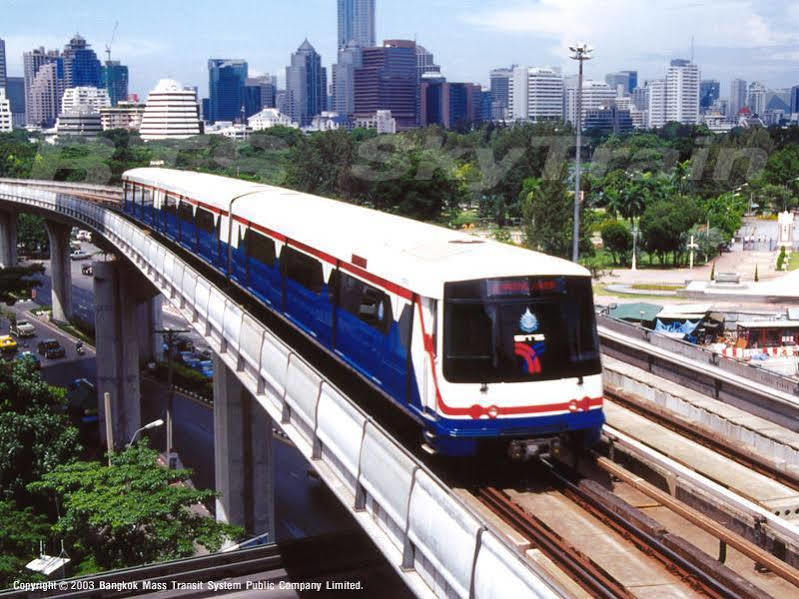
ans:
(528, 322)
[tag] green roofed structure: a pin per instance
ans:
(637, 312)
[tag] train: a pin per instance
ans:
(482, 344)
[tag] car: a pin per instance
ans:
(189, 359)
(205, 368)
(87, 269)
(22, 328)
(84, 235)
(7, 344)
(82, 401)
(75, 245)
(28, 355)
(51, 349)
(79, 255)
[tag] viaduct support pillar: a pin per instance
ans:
(8, 239)
(119, 291)
(149, 315)
(243, 459)
(60, 270)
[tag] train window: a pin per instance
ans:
(260, 247)
(129, 187)
(302, 268)
(368, 303)
(170, 205)
(185, 212)
(146, 198)
(204, 220)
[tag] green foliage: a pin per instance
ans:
(130, 513)
(31, 232)
(17, 281)
(35, 435)
(20, 534)
(547, 216)
(617, 239)
(781, 258)
(664, 222)
(724, 212)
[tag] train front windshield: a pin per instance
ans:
(519, 329)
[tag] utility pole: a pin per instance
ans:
(170, 336)
(581, 53)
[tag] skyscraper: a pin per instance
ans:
(306, 84)
(500, 84)
(627, 79)
(349, 59)
(596, 95)
(737, 97)
(226, 80)
(756, 98)
(259, 93)
(114, 78)
(81, 66)
(708, 93)
(356, 23)
(388, 80)
(536, 94)
(656, 103)
(793, 107)
(15, 92)
(682, 92)
(43, 94)
(3, 73)
(449, 104)
(425, 61)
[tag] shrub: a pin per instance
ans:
(781, 258)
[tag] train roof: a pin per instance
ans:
(415, 255)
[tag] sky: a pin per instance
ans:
(751, 40)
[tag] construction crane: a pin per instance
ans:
(108, 45)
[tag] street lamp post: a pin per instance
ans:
(580, 52)
(148, 426)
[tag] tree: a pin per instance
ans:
(130, 513)
(31, 233)
(547, 216)
(777, 197)
(18, 280)
(20, 534)
(617, 239)
(664, 222)
(35, 435)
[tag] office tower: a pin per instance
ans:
(226, 81)
(500, 90)
(793, 107)
(306, 84)
(449, 104)
(32, 63)
(266, 86)
(5, 112)
(632, 80)
(737, 97)
(656, 103)
(356, 23)
(93, 97)
(708, 93)
(536, 94)
(608, 119)
(15, 92)
(756, 98)
(640, 98)
(349, 59)
(388, 80)
(81, 66)
(596, 94)
(3, 73)
(682, 92)
(81, 121)
(628, 80)
(171, 112)
(425, 61)
(114, 78)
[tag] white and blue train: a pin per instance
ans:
(480, 342)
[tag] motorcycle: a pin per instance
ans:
(79, 348)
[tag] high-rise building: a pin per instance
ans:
(6, 124)
(536, 94)
(737, 98)
(81, 121)
(682, 92)
(500, 92)
(388, 80)
(449, 104)
(47, 104)
(708, 93)
(356, 23)
(114, 78)
(171, 112)
(81, 65)
(596, 95)
(125, 115)
(656, 103)
(756, 98)
(640, 98)
(15, 92)
(3, 73)
(306, 84)
(349, 59)
(628, 80)
(608, 119)
(793, 107)
(425, 61)
(263, 92)
(93, 97)
(226, 80)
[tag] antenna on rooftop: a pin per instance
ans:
(692, 48)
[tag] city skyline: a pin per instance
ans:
(733, 38)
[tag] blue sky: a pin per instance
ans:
(174, 38)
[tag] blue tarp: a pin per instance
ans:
(686, 328)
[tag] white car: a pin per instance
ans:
(84, 235)
(79, 255)
(23, 329)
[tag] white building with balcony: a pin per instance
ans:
(5, 112)
(268, 118)
(381, 120)
(93, 97)
(536, 94)
(171, 112)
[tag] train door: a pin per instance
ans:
(207, 235)
(262, 269)
(306, 297)
(169, 212)
(238, 253)
(188, 232)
